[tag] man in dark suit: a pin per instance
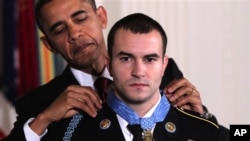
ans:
(74, 30)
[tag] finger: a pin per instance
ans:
(185, 100)
(186, 107)
(83, 98)
(191, 97)
(87, 94)
(180, 92)
(87, 102)
(66, 106)
(171, 87)
(178, 83)
(168, 95)
(190, 102)
(88, 108)
(81, 104)
(92, 98)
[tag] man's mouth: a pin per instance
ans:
(138, 85)
(81, 48)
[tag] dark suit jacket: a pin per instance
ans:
(38, 99)
(189, 125)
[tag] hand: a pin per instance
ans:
(68, 104)
(183, 94)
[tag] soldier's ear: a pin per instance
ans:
(165, 63)
(108, 62)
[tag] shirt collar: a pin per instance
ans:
(86, 79)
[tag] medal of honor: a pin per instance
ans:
(147, 135)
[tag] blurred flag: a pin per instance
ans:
(26, 63)
(7, 116)
(27, 47)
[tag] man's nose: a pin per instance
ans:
(138, 69)
(74, 32)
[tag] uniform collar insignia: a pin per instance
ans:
(170, 127)
(105, 124)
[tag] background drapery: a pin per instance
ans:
(209, 40)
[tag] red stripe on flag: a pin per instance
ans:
(26, 44)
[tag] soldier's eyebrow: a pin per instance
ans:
(124, 53)
(155, 55)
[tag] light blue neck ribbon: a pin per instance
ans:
(131, 116)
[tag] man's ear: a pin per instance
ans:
(165, 63)
(47, 44)
(102, 14)
(108, 62)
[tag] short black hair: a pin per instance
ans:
(136, 23)
(40, 4)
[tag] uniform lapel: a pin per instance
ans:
(169, 128)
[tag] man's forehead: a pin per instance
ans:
(141, 44)
(65, 4)
(56, 10)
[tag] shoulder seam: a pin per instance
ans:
(214, 124)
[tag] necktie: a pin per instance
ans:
(101, 85)
(136, 130)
